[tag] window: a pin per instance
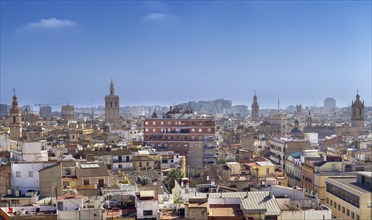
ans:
(200, 130)
(333, 167)
(153, 123)
(209, 130)
(357, 217)
(146, 129)
(153, 130)
(140, 164)
(30, 174)
(369, 204)
(86, 182)
(339, 207)
(327, 200)
(18, 173)
(147, 164)
(147, 212)
(347, 212)
(331, 202)
(335, 204)
(162, 122)
(343, 209)
(193, 130)
(146, 123)
(352, 215)
(267, 171)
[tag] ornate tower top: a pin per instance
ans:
(112, 90)
(15, 109)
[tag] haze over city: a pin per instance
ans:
(170, 52)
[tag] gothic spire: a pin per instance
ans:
(112, 91)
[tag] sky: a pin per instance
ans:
(164, 52)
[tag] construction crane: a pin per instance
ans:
(47, 104)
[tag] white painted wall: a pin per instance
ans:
(34, 151)
(25, 181)
(310, 214)
(147, 205)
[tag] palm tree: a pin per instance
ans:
(174, 175)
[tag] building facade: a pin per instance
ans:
(350, 197)
(179, 132)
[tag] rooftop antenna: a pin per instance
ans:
(254, 91)
(14, 90)
(92, 108)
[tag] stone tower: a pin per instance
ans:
(15, 120)
(255, 109)
(299, 112)
(112, 111)
(357, 112)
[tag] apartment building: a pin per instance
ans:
(179, 131)
(281, 148)
(350, 197)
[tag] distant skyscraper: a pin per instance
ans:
(357, 112)
(15, 120)
(255, 109)
(329, 103)
(68, 112)
(3, 110)
(46, 112)
(112, 112)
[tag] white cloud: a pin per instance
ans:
(155, 17)
(51, 23)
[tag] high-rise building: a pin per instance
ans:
(3, 110)
(357, 112)
(46, 112)
(15, 120)
(255, 109)
(112, 112)
(329, 103)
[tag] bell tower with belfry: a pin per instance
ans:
(15, 120)
(357, 112)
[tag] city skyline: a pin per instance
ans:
(164, 53)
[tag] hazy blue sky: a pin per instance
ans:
(165, 52)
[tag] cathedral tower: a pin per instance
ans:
(357, 112)
(112, 108)
(15, 120)
(255, 109)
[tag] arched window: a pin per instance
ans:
(111, 104)
(14, 119)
